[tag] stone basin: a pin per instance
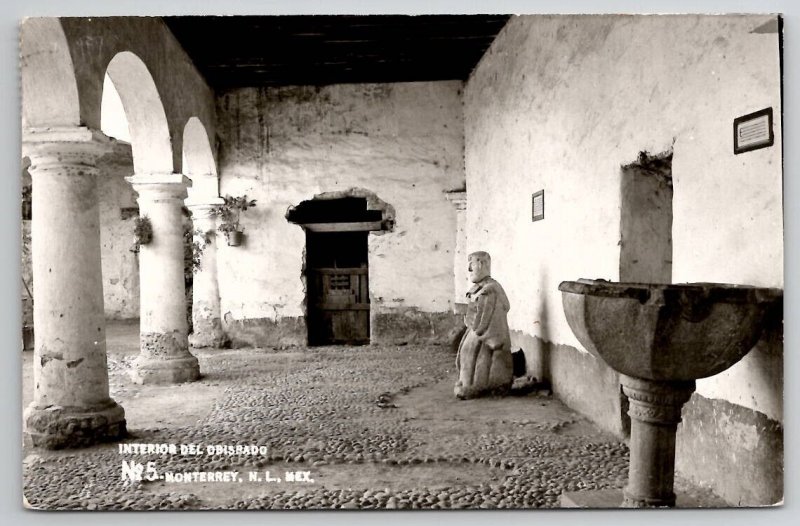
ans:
(662, 338)
(666, 332)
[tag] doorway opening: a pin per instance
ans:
(337, 281)
(337, 267)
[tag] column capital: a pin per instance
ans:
(203, 203)
(76, 134)
(160, 185)
(159, 178)
(205, 209)
(68, 150)
(458, 198)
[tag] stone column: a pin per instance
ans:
(655, 411)
(71, 405)
(208, 330)
(163, 330)
(460, 279)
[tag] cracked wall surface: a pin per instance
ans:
(401, 142)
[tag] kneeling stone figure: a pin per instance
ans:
(484, 362)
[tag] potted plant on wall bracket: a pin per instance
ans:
(229, 213)
(142, 232)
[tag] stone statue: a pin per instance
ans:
(484, 362)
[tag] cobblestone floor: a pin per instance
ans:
(375, 427)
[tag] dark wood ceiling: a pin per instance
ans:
(241, 51)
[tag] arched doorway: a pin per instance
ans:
(336, 269)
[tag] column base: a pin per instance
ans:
(56, 427)
(165, 370)
(208, 333)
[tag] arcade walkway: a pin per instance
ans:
(373, 427)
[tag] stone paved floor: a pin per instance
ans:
(376, 427)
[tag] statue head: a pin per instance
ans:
(480, 266)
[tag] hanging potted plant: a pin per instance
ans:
(142, 232)
(229, 213)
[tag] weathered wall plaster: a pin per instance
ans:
(120, 265)
(403, 142)
(646, 224)
(560, 103)
(734, 450)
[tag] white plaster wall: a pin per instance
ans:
(560, 103)
(403, 142)
(461, 282)
(120, 265)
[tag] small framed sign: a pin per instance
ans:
(753, 131)
(538, 205)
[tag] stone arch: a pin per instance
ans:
(198, 161)
(147, 121)
(113, 121)
(49, 86)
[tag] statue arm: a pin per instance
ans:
(485, 313)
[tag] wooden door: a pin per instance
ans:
(337, 287)
(340, 313)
